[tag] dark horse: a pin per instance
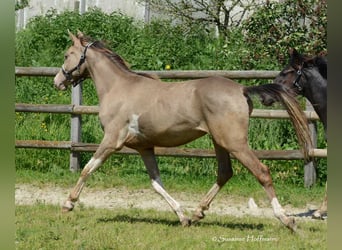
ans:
(307, 76)
(141, 112)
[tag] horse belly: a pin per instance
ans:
(173, 138)
(144, 132)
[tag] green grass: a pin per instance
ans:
(45, 227)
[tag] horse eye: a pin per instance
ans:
(65, 57)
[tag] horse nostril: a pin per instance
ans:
(60, 86)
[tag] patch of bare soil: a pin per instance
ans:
(120, 197)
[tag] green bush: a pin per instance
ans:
(279, 25)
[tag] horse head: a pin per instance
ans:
(73, 70)
(291, 75)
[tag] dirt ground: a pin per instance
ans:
(26, 194)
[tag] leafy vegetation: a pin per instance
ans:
(279, 25)
(147, 47)
(21, 4)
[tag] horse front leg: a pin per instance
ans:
(104, 150)
(225, 172)
(151, 165)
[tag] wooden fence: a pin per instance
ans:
(76, 110)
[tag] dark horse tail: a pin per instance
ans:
(278, 93)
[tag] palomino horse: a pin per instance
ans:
(141, 112)
(307, 76)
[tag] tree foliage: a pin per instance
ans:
(222, 14)
(151, 46)
(270, 27)
(277, 26)
(21, 4)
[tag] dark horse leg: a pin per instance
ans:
(225, 172)
(150, 162)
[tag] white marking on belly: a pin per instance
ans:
(133, 126)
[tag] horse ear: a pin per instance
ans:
(295, 53)
(80, 34)
(72, 36)
(296, 59)
(74, 39)
(291, 51)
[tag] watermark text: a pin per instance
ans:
(247, 238)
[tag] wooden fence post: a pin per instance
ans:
(76, 120)
(76, 125)
(310, 167)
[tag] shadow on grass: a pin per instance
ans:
(175, 223)
(309, 214)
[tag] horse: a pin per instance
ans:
(307, 76)
(141, 112)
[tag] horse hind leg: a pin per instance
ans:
(153, 171)
(225, 172)
(261, 172)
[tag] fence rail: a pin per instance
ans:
(76, 110)
(172, 151)
(172, 74)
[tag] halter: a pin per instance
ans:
(68, 73)
(296, 81)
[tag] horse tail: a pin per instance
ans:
(279, 94)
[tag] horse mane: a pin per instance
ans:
(322, 64)
(320, 61)
(114, 57)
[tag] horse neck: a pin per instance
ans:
(104, 73)
(315, 90)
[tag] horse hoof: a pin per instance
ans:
(289, 222)
(198, 215)
(68, 206)
(186, 222)
(317, 215)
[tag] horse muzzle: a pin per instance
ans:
(59, 81)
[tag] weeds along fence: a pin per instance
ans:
(76, 110)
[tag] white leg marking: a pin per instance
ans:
(277, 208)
(205, 202)
(208, 198)
(173, 203)
(90, 167)
(93, 164)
